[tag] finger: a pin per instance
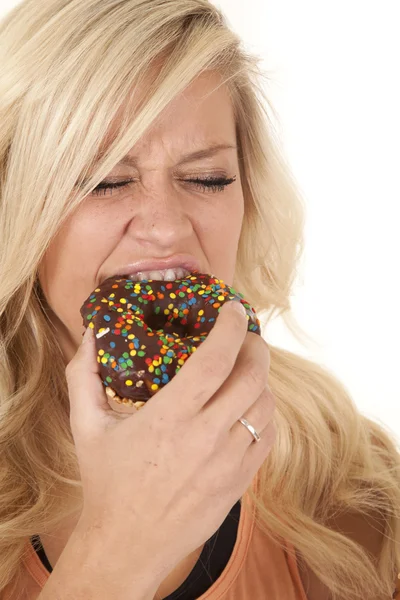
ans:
(243, 387)
(257, 452)
(208, 367)
(89, 409)
(259, 415)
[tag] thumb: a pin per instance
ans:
(89, 409)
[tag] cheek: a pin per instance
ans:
(219, 234)
(230, 218)
(68, 271)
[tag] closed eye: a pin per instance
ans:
(214, 184)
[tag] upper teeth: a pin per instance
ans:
(166, 275)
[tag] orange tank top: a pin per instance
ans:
(257, 568)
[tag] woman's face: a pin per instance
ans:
(160, 214)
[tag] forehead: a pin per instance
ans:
(203, 113)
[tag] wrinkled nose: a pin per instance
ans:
(161, 220)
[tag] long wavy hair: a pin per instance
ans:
(67, 68)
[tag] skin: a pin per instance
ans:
(157, 216)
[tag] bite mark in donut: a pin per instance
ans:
(146, 330)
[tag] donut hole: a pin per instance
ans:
(156, 321)
(160, 321)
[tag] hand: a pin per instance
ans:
(164, 479)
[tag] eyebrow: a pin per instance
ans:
(131, 160)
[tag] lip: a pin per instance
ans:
(186, 261)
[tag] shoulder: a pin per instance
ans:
(366, 530)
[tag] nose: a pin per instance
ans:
(161, 219)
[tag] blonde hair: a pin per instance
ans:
(67, 68)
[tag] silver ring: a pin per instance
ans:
(250, 428)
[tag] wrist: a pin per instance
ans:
(122, 563)
(90, 568)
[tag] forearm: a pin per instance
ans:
(90, 568)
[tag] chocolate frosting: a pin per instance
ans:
(146, 330)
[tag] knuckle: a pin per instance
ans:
(216, 365)
(259, 350)
(266, 401)
(257, 374)
(262, 348)
(269, 397)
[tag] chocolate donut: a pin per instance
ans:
(146, 330)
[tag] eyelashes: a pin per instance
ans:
(213, 184)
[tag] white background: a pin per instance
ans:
(335, 84)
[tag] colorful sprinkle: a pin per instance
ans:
(153, 327)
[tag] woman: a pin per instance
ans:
(134, 131)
